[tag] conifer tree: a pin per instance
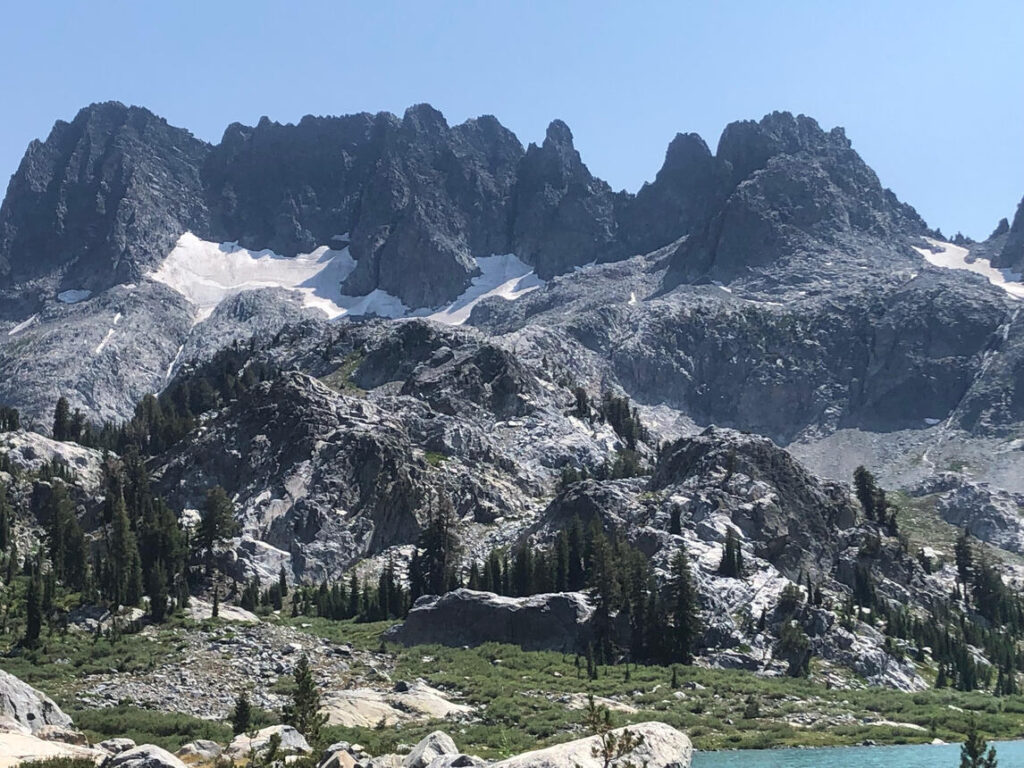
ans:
(732, 556)
(241, 716)
(33, 610)
(62, 419)
(304, 712)
(685, 615)
(218, 522)
(973, 751)
(5, 519)
(432, 569)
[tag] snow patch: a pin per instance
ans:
(73, 296)
(504, 276)
(951, 256)
(23, 325)
(206, 273)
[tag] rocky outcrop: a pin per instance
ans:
(662, 746)
(101, 199)
(292, 742)
(989, 514)
(28, 708)
(1011, 256)
(144, 756)
(432, 746)
(558, 621)
(201, 749)
(562, 216)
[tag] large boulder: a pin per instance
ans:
(200, 749)
(291, 742)
(558, 621)
(431, 747)
(144, 756)
(27, 707)
(662, 747)
(17, 747)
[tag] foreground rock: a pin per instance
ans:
(365, 707)
(292, 742)
(145, 756)
(28, 708)
(558, 621)
(16, 748)
(662, 747)
(434, 745)
(200, 750)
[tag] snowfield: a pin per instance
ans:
(951, 256)
(206, 273)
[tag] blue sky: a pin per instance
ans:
(931, 93)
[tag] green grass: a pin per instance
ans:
(516, 695)
(340, 379)
(167, 730)
(434, 458)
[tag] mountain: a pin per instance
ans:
(359, 326)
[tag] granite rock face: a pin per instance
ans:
(559, 621)
(27, 707)
(102, 199)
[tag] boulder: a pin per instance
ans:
(145, 756)
(64, 734)
(340, 759)
(431, 747)
(200, 749)
(16, 748)
(116, 746)
(28, 707)
(408, 702)
(457, 761)
(662, 747)
(558, 621)
(291, 741)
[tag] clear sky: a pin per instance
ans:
(931, 93)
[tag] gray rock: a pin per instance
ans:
(144, 756)
(558, 621)
(202, 749)
(29, 708)
(662, 747)
(429, 748)
(117, 746)
(292, 742)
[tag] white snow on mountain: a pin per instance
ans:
(504, 276)
(206, 273)
(951, 256)
(23, 325)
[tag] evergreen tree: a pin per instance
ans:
(5, 519)
(686, 618)
(964, 557)
(732, 556)
(972, 752)
(125, 567)
(62, 420)
(864, 485)
(241, 716)
(304, 712)
(282, 582)
(158, 595)
(33, 610)
(432, 569)
(215, 610)
(218, 522)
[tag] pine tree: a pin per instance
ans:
(5, 519)
(304, 712)
(864, 485)
(158, 595)
(972, 751)
(215, 610)
(282, 582)
(732, 556)
(62, 420)
(432, 569)
(33, 611)
(241, 716)
(125, 568)
(218, 522)
(686, 618)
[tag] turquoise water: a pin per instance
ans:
(1010, 754)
